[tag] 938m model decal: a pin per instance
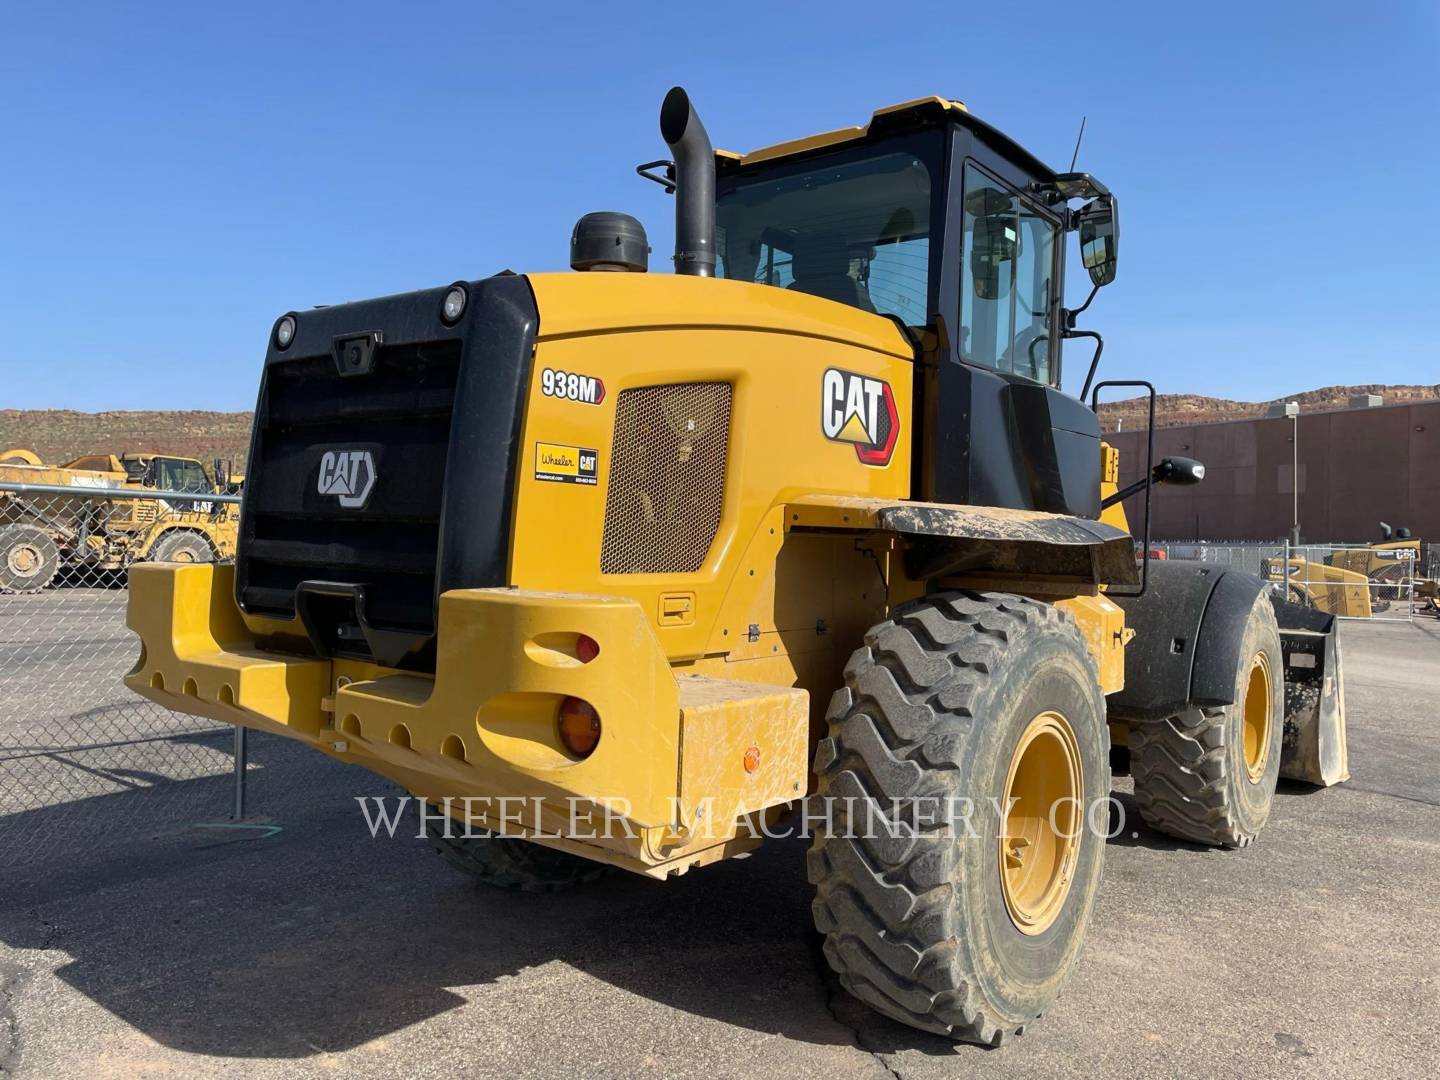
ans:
(860, 410)
(570, 386)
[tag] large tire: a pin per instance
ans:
(29, 558)
(1208, 775)
(182, 546)
(919, 924)
(509, 863)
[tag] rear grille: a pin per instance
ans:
(400, 413)
(667, 478)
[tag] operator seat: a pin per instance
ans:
(822, 268)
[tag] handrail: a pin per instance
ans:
(1149, 469)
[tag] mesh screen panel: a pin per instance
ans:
(667, 478)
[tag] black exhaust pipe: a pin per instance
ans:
(694, 184)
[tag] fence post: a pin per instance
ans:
(240, 759)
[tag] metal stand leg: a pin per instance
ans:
(240, 758)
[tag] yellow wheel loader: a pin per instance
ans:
(44, 530)
(613, 568)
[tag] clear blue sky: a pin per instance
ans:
(174, 177)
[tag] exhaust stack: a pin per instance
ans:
(694, 184)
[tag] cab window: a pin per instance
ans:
(175, 474)
(1008, 280)
(853, 227)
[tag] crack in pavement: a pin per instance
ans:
(12, 977)
(1351, 786)
(830, 987)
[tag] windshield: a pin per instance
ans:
(855, 230)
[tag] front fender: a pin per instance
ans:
(1188, 626)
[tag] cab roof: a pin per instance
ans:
(907, 115)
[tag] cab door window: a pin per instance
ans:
(176, 474)
(1007, 280)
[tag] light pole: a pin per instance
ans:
(1292, 410)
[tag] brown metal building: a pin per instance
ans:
(1358, 467)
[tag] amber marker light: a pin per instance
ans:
(579, 726)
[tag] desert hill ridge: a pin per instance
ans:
(60, 434)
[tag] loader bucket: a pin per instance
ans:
(1314, 744)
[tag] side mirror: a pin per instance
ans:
(1100, 238)
(1180, 471)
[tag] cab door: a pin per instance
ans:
(999, 430)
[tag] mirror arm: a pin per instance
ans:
(1125, 493)
(1071, 316)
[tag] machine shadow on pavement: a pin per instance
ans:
(310, 938)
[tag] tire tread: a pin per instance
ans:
(898, 729)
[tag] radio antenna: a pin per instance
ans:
(1076, 156)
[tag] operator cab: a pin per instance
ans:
(166, 473)
(936, 220)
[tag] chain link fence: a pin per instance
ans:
(1248, 557)
(1353, 581)
(81, 757)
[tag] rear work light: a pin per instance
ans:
(453, 306)
(579, 726)
(285, 332)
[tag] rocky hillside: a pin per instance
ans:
(59, 434)
(1173, 410)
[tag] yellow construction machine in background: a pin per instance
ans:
(44, 531)
(1357, 582)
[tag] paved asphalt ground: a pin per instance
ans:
(312, 950)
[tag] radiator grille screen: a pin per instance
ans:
(667, 478)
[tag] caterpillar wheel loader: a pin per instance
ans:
(621, 568)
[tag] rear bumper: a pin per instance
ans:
(667, 782)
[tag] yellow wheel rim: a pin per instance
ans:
(1037, 860)
(1258, 717)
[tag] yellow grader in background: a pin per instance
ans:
(656, 557)
(44, 530)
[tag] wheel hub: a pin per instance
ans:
(1258, 717)
(1040, 837)
(24, 560)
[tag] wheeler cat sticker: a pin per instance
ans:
(860, 410)
(566, 464)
